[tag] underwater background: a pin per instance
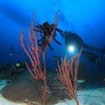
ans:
(85, 18)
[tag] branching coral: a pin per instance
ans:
(34, 54)
(67, 72)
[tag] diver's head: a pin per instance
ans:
(73, 42)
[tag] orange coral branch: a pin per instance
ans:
(34, 54)
(67, 73)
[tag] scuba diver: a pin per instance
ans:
(74, 43)
(74, 39)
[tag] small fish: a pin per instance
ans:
(17, 64)
(80, 81)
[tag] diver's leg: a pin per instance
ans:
(86, 46)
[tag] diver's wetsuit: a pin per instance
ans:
(74, 39)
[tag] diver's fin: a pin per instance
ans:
(57, 41)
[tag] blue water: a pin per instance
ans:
(84, 17)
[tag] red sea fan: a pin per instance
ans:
(67, 73)
(34, 54)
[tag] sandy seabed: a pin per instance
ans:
(85, 97)
(26, 91)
